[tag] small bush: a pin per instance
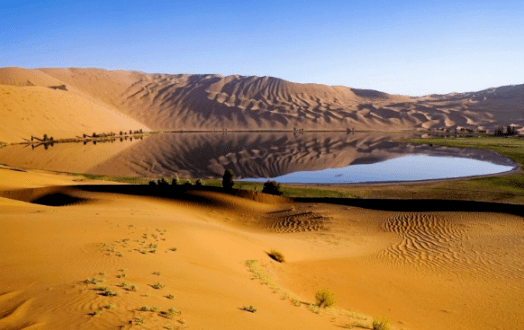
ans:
(158, 286)
(251, 309)
(273, 188)
(170, 313)
(380, 323)
(227, 180)
(170, 296)
(199, 183)
(325, 298)
(277, 256)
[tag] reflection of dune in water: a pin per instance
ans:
(251, 155)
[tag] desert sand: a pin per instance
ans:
(82, 254)
(431, 270)
(64, 103)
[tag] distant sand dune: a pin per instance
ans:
(208, 102)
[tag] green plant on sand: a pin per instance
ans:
(324, 298)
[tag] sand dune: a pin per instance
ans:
(131, 100)
(422, 270)
(29, 105)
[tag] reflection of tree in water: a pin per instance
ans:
(86, 140)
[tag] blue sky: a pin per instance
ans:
(401, 47)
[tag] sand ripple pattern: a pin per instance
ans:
(426, 240)
(294, 221)
(436, 243)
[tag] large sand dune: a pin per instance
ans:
(208, 102)
(422, 270)
(34, 103)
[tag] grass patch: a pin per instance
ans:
(158, 286)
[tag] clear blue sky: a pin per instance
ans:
(403, 47)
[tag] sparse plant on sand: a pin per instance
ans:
(139, 320)
(296, 302)
(157, 273)
(380, 323)
(170, 296)
(121, 275)
(106, 291)
(173, 249)
(170, 313)
(277, 255)
(314, 308)
(97, 312)
(133, 288)
(324, 298)
(158, 286)
(251, 309)
(110, 306)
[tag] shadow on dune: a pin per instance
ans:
(429, 205)
(59, 199)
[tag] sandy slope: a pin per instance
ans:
(30, 106)
(434, 270)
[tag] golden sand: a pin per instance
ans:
(434, 270)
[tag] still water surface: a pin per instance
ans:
(288, 157)
(405, 168)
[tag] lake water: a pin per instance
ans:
(287, 157)
(406, 168)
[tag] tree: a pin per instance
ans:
(272, 187)
(227, 180)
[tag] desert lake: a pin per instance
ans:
(312, 157)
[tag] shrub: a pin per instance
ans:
(277, 256)
(227, 180)
(170, 313)
(251, 309)
(380, 323)
(158, 286)
(199, 183)
(170, 296)
(272, 187)
(325, 298)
